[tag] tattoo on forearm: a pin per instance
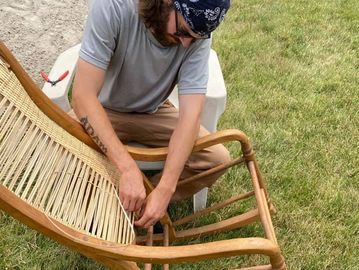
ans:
(86, 124)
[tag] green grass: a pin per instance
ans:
(292, 75)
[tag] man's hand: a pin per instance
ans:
(132, 192)
(155, 207)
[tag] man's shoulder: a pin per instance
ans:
(124, 5)
(120, 8)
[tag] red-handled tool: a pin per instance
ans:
(53, 83)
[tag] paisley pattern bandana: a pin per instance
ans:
(202, 16)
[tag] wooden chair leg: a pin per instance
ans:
(148, 266)
(278, 262)
(166, 242)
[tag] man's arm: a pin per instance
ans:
(180, 148)
(88, 82)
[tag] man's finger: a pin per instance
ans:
(143, 220)
(139, 204)
(125, 203)
(149, 224)
(132, 205)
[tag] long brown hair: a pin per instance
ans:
(155, 14)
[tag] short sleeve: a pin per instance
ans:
(101, 32)
(193, 74)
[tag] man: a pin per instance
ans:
(133, 53)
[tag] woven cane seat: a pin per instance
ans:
(55, 172)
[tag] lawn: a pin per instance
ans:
(292, 75)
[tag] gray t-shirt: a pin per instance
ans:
(140, 72)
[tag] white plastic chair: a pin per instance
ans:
(214, 105)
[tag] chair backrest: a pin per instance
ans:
(55, 172)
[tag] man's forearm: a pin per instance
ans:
(180, 148)
(95, 121)
(93, 116)
(89, 129)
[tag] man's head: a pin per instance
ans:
(176, 22)
(202, 16)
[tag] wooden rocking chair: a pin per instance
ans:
(54, 179)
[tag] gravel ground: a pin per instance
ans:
(37, 31)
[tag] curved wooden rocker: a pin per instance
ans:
(54, 179)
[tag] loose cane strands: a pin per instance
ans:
(91, 207)
(11, 161)
(53, 159)
(25, 177)
(56, 202)
(95, 204)
(111, 225)
(82, 222)
(99, 208)
(45, 198)
(48, 163)
(109, 221)
(56, 173)
(26, 154)
(72, 194)
(44, 190)
(104, 209)
(77, 200)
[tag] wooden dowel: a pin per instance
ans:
(221, 226)
(149, 242)
(261, 180)
(166, 242)
(267, 213)
(213, 208)
(211, 171)
(261, 202)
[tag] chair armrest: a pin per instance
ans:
(156, 154)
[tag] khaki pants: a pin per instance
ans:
(155, 130)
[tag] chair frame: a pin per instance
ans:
(118, 256)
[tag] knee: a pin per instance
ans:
(208, 158)
(219, 155)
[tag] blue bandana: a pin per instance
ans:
(202, 16)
